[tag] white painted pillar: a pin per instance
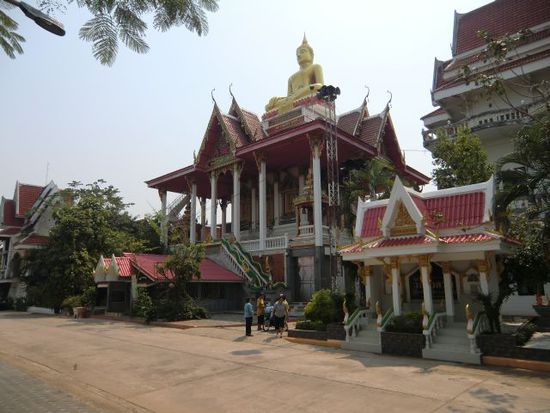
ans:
(193, 214)
(317, 196)
(203, 218)
(395, 288)
(263, 201)
(482, 267)
(223, 205)
(253, 211)
(163, 219)
(276, 202)
(426, 286)
(448, 285)
(236, 207)
(213, 204)
(368, 286)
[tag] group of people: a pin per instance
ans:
(275, 315)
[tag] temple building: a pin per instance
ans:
(25, 223)
(461, 102)
(431, 252)
(280, 174)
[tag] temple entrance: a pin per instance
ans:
(438, 287)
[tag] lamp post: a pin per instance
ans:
(42, 19)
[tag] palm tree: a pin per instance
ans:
(120, 20)
(371, 179)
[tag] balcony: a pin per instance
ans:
(485, 120)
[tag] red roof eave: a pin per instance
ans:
(156, 182)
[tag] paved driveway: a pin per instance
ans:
(130, 367)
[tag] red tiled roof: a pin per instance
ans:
(9, 218)
(455, 210)
(125, 268)
(235, 131)
(348, 121)
(498, 18)
(10, 231)
(438, 111)
(370, 130)
(34, 239)
(149, 263)
(371, 218)
(398, 242)
(253, 124)
(462, 239)
(210, 271)
(28, 194)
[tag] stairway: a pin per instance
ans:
(452, 344)
(368, 339)
(245, 265)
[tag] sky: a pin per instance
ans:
(65, 117)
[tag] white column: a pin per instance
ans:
(253, 211)
(236, 207)
(193, 213)
(448, 285)
(163, 219)
(223, 205)
(276, 202)
(213, 204)
(301, 183)
(395, 290)
(368, 286)
(426, 286)
(317, 200)
(262, 189)
(203, 218)
(483, 279)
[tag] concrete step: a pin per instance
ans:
(445, 339)
(456, 354)
(360, 345)
(452, 332)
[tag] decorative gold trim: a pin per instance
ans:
(403, 223)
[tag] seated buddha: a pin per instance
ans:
(306, 81)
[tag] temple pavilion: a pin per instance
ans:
(272, 171)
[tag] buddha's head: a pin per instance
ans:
(304, 53)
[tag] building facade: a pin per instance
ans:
(280, 175)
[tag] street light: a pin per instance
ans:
(42, 19)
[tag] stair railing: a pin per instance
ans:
(436, 322)
(475, 326)
(235, 265)
(383, 321)
(353, 325)
(246, 263)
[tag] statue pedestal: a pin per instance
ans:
(303, 111)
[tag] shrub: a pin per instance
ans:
(406, 323)
(20, 304)
(88, 297)
(172, 310)
(6, 304)
(321, 307)
(72, 301)
(143, 306)
(311, 325)
(524, 333)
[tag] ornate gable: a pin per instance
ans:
(217, 147)
(402, 215)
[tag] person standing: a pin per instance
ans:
(248, 314)
(280, 313)
(260, 309)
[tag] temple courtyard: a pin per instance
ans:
(116, 366)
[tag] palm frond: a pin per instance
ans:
(10, 41)
(102, 32)
(131, 29)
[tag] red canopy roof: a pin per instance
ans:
(27, 196)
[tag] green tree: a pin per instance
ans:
(90, 220)
(10, 40)
(182, 264)
(459, 161)
(371, 179)
(118, 20)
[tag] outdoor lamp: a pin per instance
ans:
(42, 19)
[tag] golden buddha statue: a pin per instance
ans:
(306, 81)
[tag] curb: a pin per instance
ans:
(337, 344)
(516, 363)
